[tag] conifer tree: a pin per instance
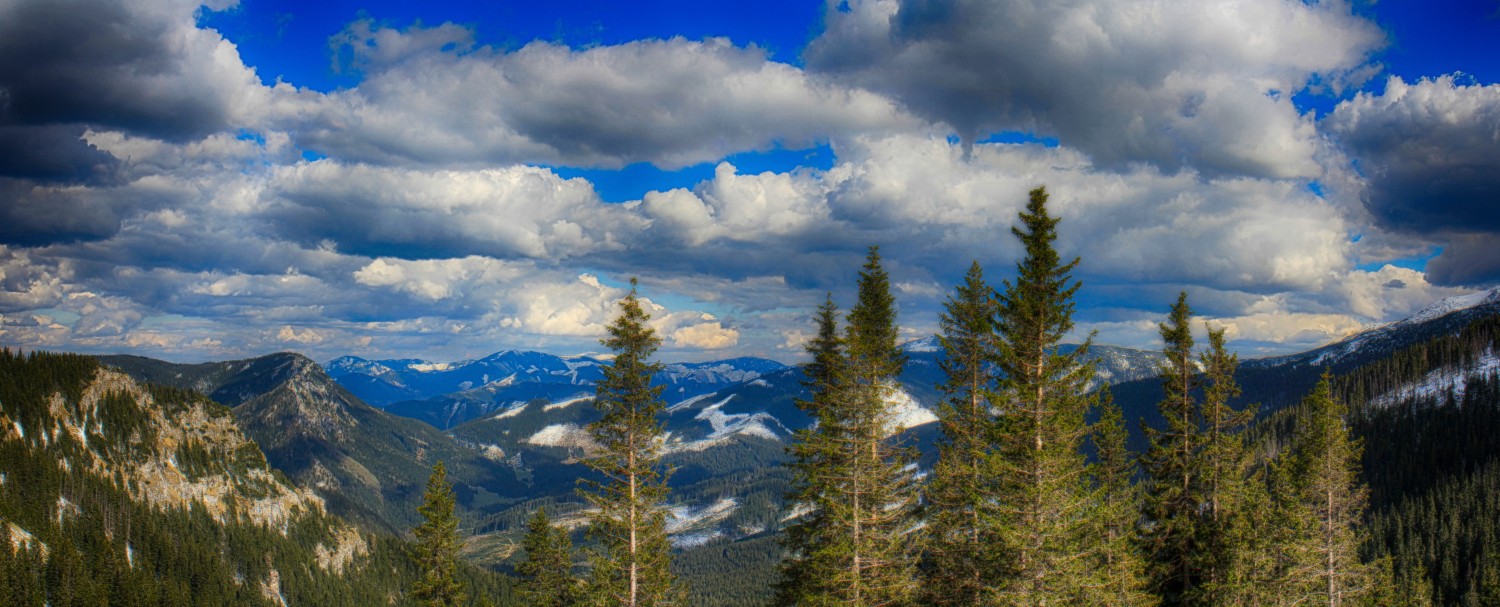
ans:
(631, 566)
(437, 545)
(881, 493)
(1324, 463)
(1172, 468)
(853, 548)
(815, 544)
(546, 578)
(1262, 529)
(1044, 529)
(1225, 469)
(961, 495)
(1121, 566)
(1401, 586)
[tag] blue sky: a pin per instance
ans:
(444, 180)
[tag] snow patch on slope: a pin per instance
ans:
(690, 402)
(686, 518)
(566, 403)
(905, 412)
(511, 412)
(563, 435)
(925, 344)
(426, 367)
(727, 425)
(1440, 382)
(1453, 304)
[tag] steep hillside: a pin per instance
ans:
(115, 492)
(368, 465)
(1429, 418)
(1280, 381)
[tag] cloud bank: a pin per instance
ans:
(171, 202)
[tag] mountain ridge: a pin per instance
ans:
(368, 464)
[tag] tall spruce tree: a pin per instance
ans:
(546, 574)
(815, 543)
(1225, 466)
(1325, 469)
(882, 492)
(1261, 531)
(961, 496)
(437, 545)
(854, 547)
(631, 565)
(1044, 530)
(1172, 464)
(1120, 564)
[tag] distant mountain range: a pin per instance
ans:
(447, 394)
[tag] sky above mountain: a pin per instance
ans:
(442, 180)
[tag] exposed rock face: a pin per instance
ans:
(225, 475)
(367, 464)
(348, 545)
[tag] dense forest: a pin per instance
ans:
(79, 532)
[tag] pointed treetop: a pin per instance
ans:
(872, 327)
(1177, 331)
(1044, 288)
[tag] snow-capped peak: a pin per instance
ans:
(427, 367)
(925, 344)
(1453, 304)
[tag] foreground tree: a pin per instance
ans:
(1045, 527)
(881, 491)
(437, 545)
(853, 546)
(546, 574)
(815, 544)
(1225, 470)
(961, 496)
(631, 565)
(1172, 468)
(1121, 566)
(1324, 468)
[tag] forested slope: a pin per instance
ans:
(114, 492)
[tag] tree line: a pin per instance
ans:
(1028, 504)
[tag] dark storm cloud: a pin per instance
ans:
(120, 65)
(54, 153)
(33, 215)
(1430, 152)
(1467, 259)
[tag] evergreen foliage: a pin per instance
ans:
(1324, 466)
(1225, 468)
(1172, 465)
(437, 542)
(814, 544)
(1121, 565)
(1044, 529)
(962, 501)
(1432, 462)
(879, 492)
(546, 574)
(84, 540)
(632, 561)
(854, 546)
